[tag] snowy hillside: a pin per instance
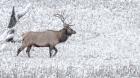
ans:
(106, 45)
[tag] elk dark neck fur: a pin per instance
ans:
(63, 35)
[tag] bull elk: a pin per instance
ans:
(49, 38)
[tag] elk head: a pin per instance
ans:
(67, 27)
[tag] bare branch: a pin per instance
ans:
(8, 35)
(23, 12)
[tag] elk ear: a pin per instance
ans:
(65, 29)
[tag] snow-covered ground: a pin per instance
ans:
(107, 43)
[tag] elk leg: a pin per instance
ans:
(50, 49)
(28, 51)
(55, 51)
(20, 49)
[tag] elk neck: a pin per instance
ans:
(63, 35)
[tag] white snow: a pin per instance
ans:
(106, 45)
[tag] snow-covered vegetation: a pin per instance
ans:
(106, 45)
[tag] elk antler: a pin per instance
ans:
(61, 17)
